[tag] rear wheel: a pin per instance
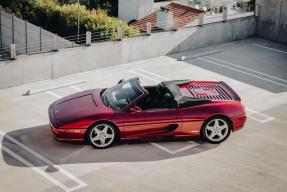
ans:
(102, 135)
(216, 130)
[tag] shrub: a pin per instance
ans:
(63, 19)
(111, 6)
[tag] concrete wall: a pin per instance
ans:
(272, 22)
(67, 61)
(34, 35)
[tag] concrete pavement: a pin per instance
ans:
(252, 159)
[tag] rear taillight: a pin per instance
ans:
(243, 107)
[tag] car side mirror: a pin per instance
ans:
(120, 81)
(134, 110)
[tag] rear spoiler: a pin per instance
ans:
(230, 91)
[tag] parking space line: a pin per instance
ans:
(34, 168)
(76, 88)
(202, 54)
(267, 118)
(244, 72)
(276, 50)
(245, 68)
(161, 77)
(35, 91)
(140, 74)
(252, 112)
(47, 161)
(194, 144)
(54, 94)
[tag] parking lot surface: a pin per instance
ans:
(252, 159)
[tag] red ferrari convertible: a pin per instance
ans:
(129, 111)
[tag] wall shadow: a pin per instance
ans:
(244, 62)
(40, 140)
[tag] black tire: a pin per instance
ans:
(220, 131)
(96, 135)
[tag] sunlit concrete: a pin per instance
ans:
(252, 159)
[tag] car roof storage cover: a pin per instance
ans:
(182, 101)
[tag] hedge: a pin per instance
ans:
(62, 19)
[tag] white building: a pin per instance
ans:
(208, 3)
(221, 3)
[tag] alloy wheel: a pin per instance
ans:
(217, 130)
(102, 135)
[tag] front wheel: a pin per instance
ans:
(216, 130)
(102, 135)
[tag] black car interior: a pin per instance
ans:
(158, 97)
(182, 101)
(167, 95)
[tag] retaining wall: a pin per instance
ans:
(272, 21)
(68, 61)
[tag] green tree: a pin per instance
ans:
(63, 18)
(111, 6)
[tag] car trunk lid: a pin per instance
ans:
(215, 91)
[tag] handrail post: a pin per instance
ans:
(201, 19)
(88, 38)
(148, 28)
(257, 10)
(120, 33)
(12, 51)
(175, 24)
(225, 12)
(56, 43)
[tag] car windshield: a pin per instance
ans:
(121, 95)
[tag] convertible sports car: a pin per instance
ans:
(129, 111)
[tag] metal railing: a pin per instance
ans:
(51, 42)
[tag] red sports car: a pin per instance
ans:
(129, 111)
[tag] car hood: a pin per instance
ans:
(77, 106)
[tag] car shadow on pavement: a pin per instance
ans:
(40, 140)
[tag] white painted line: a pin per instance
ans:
(194, 144)
(45, 160)
(276, 50)
(187, 57)
(215, 63)
(159, 76)
(267, 118)
(34, 168)
(54, 94)
(76, 88)
(259, 120)
(245, 68)
(35, 91)
(140, 74)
